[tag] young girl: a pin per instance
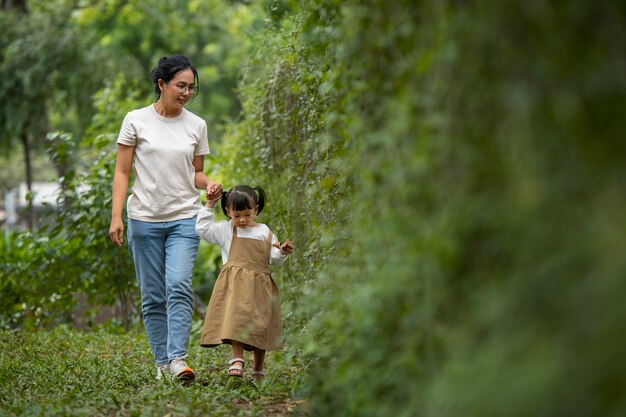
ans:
(244, 310)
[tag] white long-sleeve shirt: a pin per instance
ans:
(221, 234)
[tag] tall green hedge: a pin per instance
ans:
(282, 144)
(452, 174)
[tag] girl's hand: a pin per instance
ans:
(285, 248)
(213, 193)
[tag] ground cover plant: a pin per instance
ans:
(65, 372)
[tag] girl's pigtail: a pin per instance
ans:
(261, 201)
(224, 203)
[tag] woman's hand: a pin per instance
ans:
(214, 190)
(213, 193)
(116, 232)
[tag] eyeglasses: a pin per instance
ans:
(181, 88)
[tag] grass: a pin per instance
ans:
(65, 372)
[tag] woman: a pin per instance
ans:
(168, 144)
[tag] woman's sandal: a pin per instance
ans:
(236, 367)
(258, 374)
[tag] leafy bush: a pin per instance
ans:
(44, 270)
(280, 144)
(468, 158)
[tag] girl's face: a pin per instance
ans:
(179, 90)
(243, 218)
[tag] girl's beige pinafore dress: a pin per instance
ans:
(245, 304)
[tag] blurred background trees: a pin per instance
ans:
(70, 71)
(451, 175)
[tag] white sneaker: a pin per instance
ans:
(161, 370)
(180, 370)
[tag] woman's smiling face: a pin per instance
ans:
(179, 90)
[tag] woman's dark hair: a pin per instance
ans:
(243, 197)
(167, 68)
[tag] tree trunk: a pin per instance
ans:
(30, 212)
(16, 5)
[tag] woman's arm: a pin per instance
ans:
(120, 186)
(201, 181)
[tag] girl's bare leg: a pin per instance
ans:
(237, 353)
(259, 358)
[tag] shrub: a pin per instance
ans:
(467, 157)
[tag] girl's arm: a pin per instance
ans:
(210, 230)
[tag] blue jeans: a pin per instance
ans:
(164, 254)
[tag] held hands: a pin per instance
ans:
(285, 248)
(213, 193)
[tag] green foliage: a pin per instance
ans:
(465, 259)
(70, 373)
(280, 144)
(73, 254)
(11, 177)
(490, 239)
(451, 174)
(46, 71)
(215, 34)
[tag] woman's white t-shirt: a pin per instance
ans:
(164, 186)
